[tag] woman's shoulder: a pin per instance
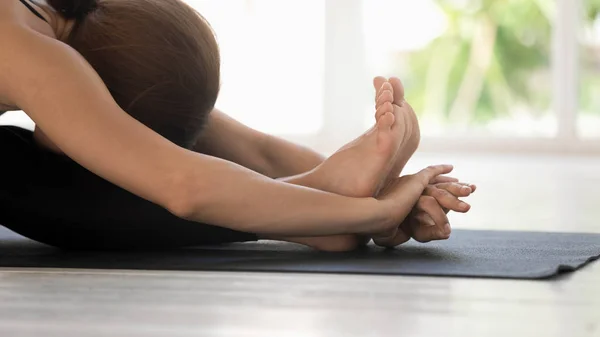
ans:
(10, 27)
(10, 21)
(7, 11)
(15, 16)
(17, 38)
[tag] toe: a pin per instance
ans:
(384, 109)
(381, 84)
(385, 87)
(384, 97)
(398, 90)
(378, 82)
(386, 121)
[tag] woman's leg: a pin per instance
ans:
(51, 199)
(228, 139)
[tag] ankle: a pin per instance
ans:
(312, 179)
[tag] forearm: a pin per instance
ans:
(228, 195)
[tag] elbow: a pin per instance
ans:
(180, 200)
(181, 207)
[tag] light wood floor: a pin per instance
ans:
(516, 193)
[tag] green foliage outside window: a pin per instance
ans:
(590, 57)
(493, 60)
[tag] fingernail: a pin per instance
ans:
(465, 189)
(447, 229)
(464, 206)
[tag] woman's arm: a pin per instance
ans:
(69, 102)
(226, 138)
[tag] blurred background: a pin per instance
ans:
(522, 74)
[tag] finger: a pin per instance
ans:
(473, 187)
(427, 174)
(400, 237)
(385, 239)
(456, 189)
(397, 240)
(444, 179)
(432, 208)
(425, 234)
(423, 219)
(445, 199)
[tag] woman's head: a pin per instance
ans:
(158, 58)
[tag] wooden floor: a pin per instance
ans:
(516, 193)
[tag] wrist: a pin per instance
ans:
(378, 217)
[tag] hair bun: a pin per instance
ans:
(74, 9)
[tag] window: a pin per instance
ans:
(272, 62)
(589, 96)
(470, 67)
(493, 73)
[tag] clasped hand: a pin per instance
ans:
(427, 221)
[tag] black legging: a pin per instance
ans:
(51, 199)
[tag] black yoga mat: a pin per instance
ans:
(492, 254)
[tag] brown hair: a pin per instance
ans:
(159, 59)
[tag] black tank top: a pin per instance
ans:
(24, 2)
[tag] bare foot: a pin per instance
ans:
(361, 168)
(405, 115)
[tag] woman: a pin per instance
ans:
(91, 74)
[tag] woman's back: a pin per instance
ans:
(158, 58)
(43, 75)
